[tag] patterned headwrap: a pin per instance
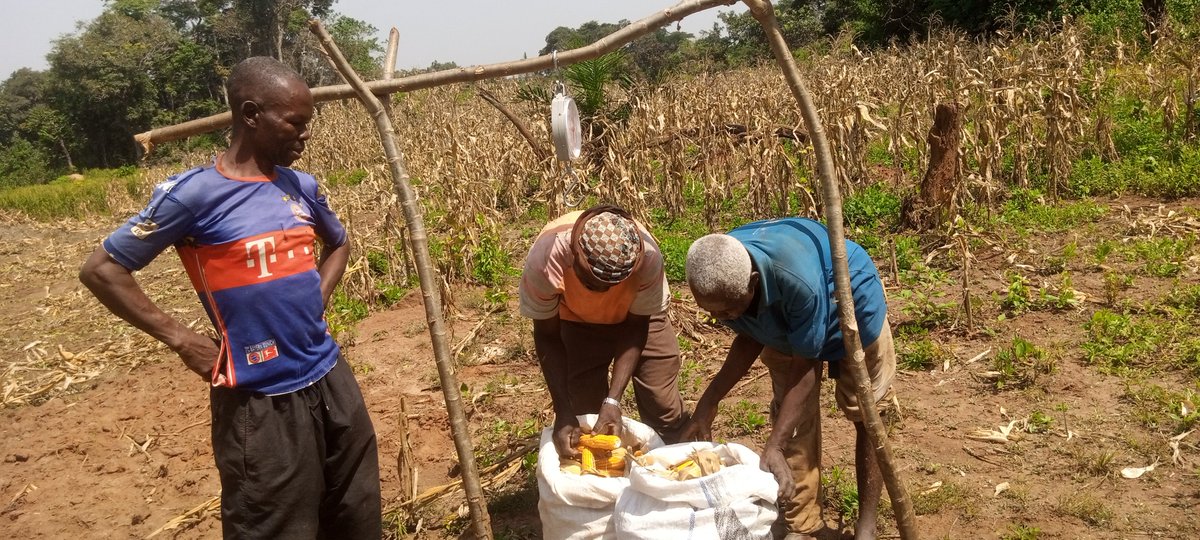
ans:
(609, 242)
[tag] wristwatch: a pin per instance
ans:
(613, 402)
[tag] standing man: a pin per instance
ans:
(772, 283)
(291, 436)
(595, 288)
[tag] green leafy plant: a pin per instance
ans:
(1017, 297)
(841, 492)
(1114, 284)
(919, 355)
(1086, 507)
(745, 418)
(343, 312)
(1117, 341)
(1020, 364)
(1022, 532)
(1039, 422)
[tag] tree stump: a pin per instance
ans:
(934, 204)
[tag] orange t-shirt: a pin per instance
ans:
(550, 287)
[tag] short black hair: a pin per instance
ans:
(253, 78)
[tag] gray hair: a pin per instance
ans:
(718, 265)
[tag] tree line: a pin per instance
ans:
(145, 63)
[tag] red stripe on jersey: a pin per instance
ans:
(249, 261)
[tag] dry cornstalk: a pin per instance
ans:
(966, 283)
(190, 517)
(605, 45)
(460, 429)
(905, 518)
(537, 147)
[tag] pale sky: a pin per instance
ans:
(468, 32)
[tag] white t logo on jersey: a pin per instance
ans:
(263, 257)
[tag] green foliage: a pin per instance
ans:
(1039, 422)
(1114, 284)
(1020, 364)
(919, 355)
(841, 492)
(492, 262)
(875, 208)
(65, 197)
(745, 418)
(923, 310)
(674, 249)
(23, 163)
(1160, 408)
(1171, 176)
(1022, 532)
(1017, 297)
(691, 378)
(390, 294)
(1027, 209)
(1103, 250)
(949, 495)
(1117, 341)
(346, 178)
(1086, 507)
(344, 312)
(377, 263)
(1164, 256)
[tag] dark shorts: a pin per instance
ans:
(302, 465)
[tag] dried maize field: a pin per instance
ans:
(1049, 362)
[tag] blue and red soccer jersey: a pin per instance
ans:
(248, 247)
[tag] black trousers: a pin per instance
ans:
(302, 465)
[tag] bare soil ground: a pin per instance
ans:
(104, 434)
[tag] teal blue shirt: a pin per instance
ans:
(796, 311)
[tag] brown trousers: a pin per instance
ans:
(803, 449)
(591, 351)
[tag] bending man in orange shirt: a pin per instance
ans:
(595, 288)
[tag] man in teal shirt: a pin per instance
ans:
(772, 283)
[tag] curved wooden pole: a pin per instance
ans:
(764, 12)
(459, 427)
(605, 45)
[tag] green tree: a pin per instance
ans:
(108, 79)
(18, 94)
(50, 128)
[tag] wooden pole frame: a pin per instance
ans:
(764, 12)
(460, 429)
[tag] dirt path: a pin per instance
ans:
(119, 445)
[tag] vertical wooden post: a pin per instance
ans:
(764, 12)
(460, 429)
(966, 284)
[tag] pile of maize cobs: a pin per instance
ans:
(601, 455)
(698, 464)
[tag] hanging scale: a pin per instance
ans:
(564, 127)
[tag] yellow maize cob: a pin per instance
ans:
(613, 463)
(600, 442)
(683, 465)
(588, 460)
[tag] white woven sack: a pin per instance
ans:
(574, 507)
(735, 503)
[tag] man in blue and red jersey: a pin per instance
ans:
(292, 439)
